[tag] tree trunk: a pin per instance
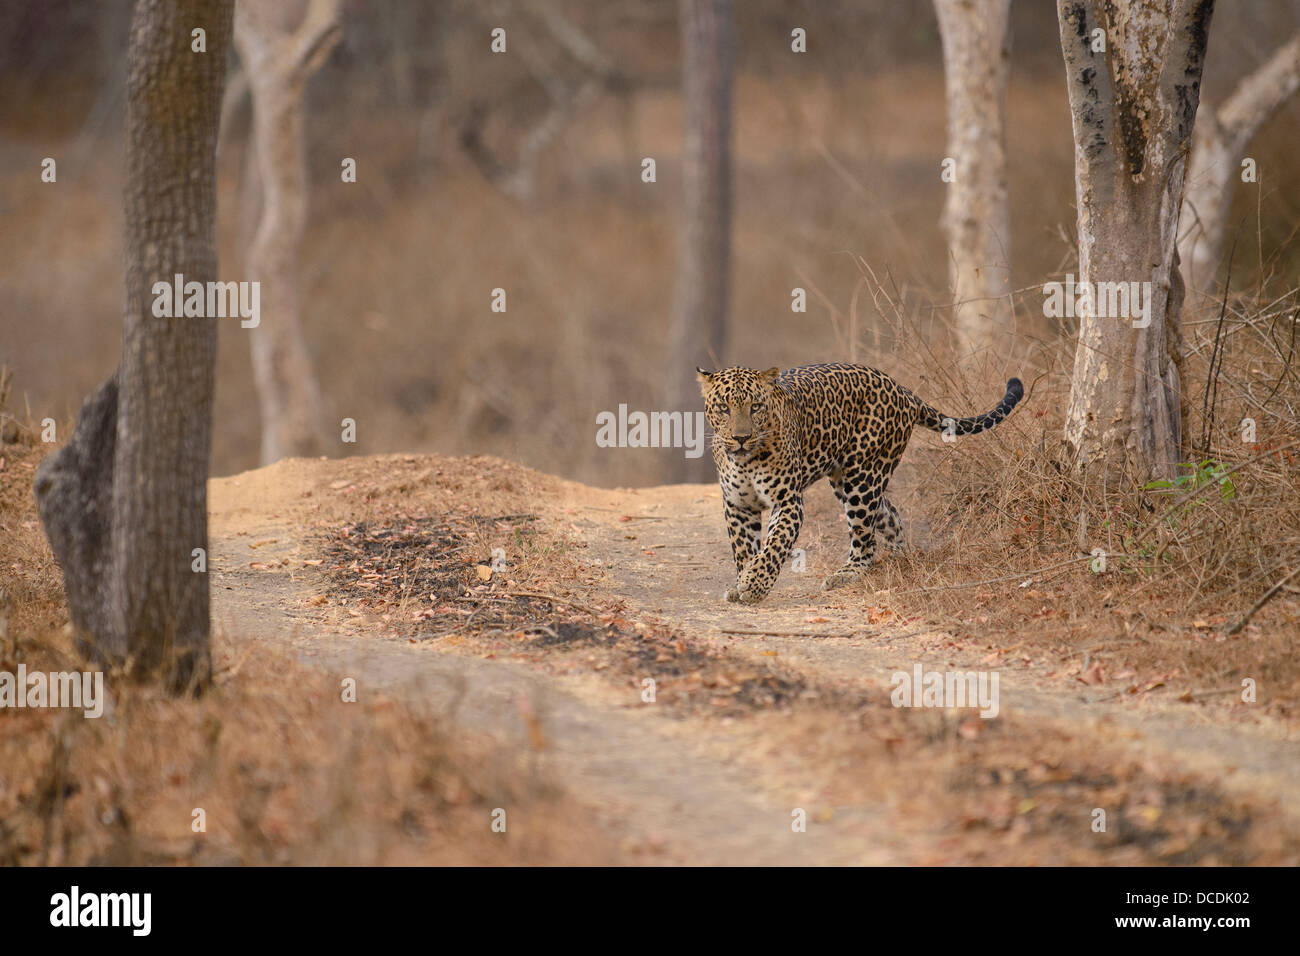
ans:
(125, 502)
(1219, 145)
(281, 44)
(976, 215)
(699, 321)
(1133, 107)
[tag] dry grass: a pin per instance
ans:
(1009, 553)
(285, 772)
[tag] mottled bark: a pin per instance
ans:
(74, 495)
(699, 320)
(125, 502)
(1133, 108)
(976, 215)
(1218, 147)
(281, 44)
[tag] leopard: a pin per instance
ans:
(776, 433)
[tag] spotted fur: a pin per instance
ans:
(775, 433)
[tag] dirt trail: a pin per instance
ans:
(641, 779)
(675, 788)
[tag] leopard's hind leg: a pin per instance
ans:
(861, 490)
(889, 526)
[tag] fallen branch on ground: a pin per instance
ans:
(1268, 596)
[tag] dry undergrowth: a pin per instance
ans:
(1013, 532)
(284, 771)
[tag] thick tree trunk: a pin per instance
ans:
(976, 216)
(1134, 106)
(125, 502)
(1218, 147)
(699, 322)
(281, 44)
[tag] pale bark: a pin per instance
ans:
(699, 320)
(124, 503)
(1218, 147)
(976, 215)
(281, 44)
(1133, 109)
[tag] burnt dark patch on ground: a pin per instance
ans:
(413, 561)
(428, 577)
(1172, 821)
(704, 679)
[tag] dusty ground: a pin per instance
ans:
(759, 712)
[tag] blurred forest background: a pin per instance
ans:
(522, 171)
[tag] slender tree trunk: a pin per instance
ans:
(1218, 147)
(976, 216)
(281, 44)
(125, 502)
(1134, 107)
(699, 322)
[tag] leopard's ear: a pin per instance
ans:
(705, 378)
(770, 375)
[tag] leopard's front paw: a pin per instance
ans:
(752, 585)
(742, 596)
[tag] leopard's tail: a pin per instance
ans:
(939, 422)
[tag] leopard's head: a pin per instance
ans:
(743, 408)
